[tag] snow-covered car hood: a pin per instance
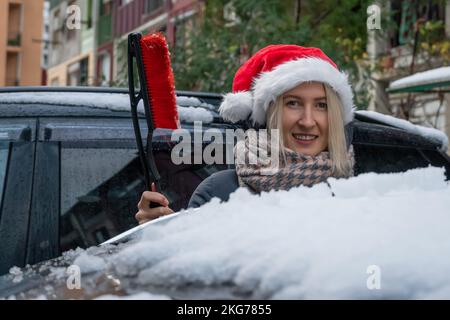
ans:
(370, 236)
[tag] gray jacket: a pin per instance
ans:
(220, 184)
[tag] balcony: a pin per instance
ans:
(104, 29)
(14, 39)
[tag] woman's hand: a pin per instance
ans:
(146, 213)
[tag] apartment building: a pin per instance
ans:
(145, 16)
(20, 42)
(72, 52)
(96, 52)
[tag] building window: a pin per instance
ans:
(12, 69)
(56, 28)
(89, 14)
(125, 2)
(84, 73)
(153, 5)
(105, 7)
(73, 74)
(77, 73)
(104, 69)
(408, 20)
(14, 24)
(56, 20)
(54, 82)
(405, 15)
(56, 39)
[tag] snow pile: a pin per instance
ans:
(431, 133)
(111, 101)
(191, 114)
(17, 274)
(193, 102)
(190, 109)
(88, 263)
(306, 243)
(422, 78)
(136, 296)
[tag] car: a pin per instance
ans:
(70, 176)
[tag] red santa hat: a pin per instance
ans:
(276, 69)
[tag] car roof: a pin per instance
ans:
(86, 101)
(114, 102)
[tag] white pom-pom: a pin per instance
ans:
(236, 106)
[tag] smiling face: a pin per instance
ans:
(305, 119)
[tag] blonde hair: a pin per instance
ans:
(337, 145)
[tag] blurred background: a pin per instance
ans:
(84, 43)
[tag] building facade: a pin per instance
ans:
(145, 16)
(20, 42)
(400, 52)
(96, 53)
(72, 33)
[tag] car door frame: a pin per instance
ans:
(52, 134)
(17, 192)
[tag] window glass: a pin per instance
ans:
(101, 187)
(152, 5)
(437, 160)
(384, 159)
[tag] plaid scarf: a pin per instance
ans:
(298, 169)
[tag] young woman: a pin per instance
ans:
(300, 92)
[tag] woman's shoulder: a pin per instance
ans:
(223, 175)
(220, 184)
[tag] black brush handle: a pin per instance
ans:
(154, 205)
(146, 156)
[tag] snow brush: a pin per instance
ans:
(156, 90)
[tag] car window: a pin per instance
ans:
(101, 179)
(99, 192)
(386, 159)
(438, 159)
(101, 187)
(4, 152)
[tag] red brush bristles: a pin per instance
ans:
(160, 81)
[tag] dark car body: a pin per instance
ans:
(70, 176)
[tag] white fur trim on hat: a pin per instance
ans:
(236, 106)
(269, 85)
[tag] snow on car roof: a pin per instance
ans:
(306, 243)
(426, 132)
(190, 109)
